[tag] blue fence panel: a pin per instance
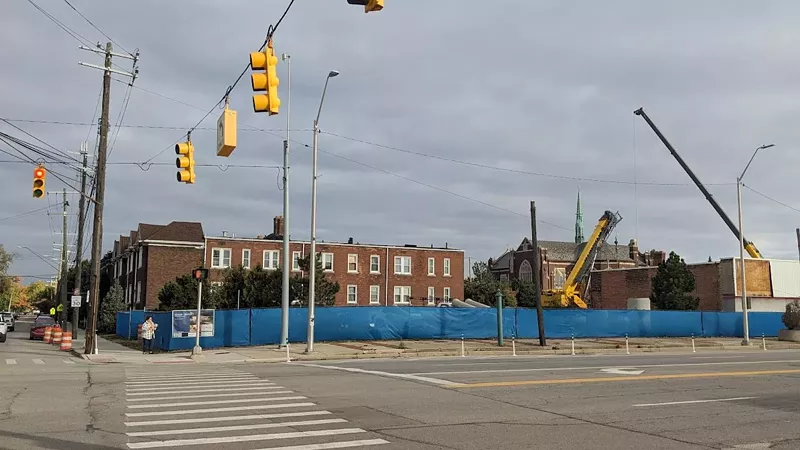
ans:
(265, 326)
(121, 327)
(163, 337)
(722, 324)
(766, 323)
(233, 327)
(128, 323)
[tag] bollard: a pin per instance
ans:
(66, 341)
(48, 335)
(57, 335)
(462, 346)
(627, 349)
(573, 345)
(764, 341)
(139, 334)
(288, 355)
(693, 349)
(513, 347)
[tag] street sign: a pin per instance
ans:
(76, 301)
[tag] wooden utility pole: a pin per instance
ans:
(62, 315)
(537, 277)
(79, 246)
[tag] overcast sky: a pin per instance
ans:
(547, 88)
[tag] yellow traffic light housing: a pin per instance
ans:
(265, 81)
(369, 5)
(39, 181)
(185, 162)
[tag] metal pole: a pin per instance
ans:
(797, 230)
(286, 251)
(537, 277)
(745, 325)
(197, 349)
(693, 349)
(627, 348)
(499, 300)
(312, 269)
(238, 297)
(62, 316)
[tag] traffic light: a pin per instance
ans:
(39, 181)
(369, 5)
(265, 81)
(200, 274)
(185, 162)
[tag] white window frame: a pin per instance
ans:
(246, 251)
(139, 257)
(446, 266)
(354, 258)
(398, 262)
(267, 259)
(446, 294)
(375, 294)
(296, 261)
(138, 291)
(375, 261)
(322, 258)
(563, 275)
(402, 291)
(431, 267)
(354, 289)
(221, 263)
(431, 295)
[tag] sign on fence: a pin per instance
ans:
(184, 323)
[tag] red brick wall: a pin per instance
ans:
(419, 281)
(164, 264)
(611, 289)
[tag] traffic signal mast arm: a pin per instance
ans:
(748, 246)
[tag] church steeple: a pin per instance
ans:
(579, 221)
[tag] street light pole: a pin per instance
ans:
(745, 320)
(286, 248)
(312, 269)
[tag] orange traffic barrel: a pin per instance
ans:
(48, 335)
(66, 341)
(57, 335)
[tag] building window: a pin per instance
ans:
(525, 271)
(447, 294)
(296, 261)
(431, 267)
(327, 262)
(141, 253)
(220, 258)
(271, 258)
(447, 267)
(352, 294)
(402, 295)
(402, 265)
(246, 258)
(374, 295)
(138, 292)
(352, 263)
(431, 295)
(374, 264)
(559, 277)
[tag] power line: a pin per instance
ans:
(28, 213)
(95, 27)
(58, 151)
(74, 34)
(148, 127)
(772, 199)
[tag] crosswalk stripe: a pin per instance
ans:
(169, 375)
(11, 361)
(233, 389)
(332, 445)
(210, 410)
(147, 423)
(236, 427)
(193, 385)
(217, 402)
(184, 382)
(229, 394)
(248, 438)
(38, 361)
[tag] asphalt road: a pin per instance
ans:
(704, 400)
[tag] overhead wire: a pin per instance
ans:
(57, 150)
(27, 213)
(96, 28)
(74, 34)
(778, 202)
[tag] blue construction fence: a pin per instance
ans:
(245, 327)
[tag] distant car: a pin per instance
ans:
(3, 332)
(36, 312)
(445, 305)
(8, 318)
(37, 329)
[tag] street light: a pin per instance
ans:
(745, 323)
(313, 258)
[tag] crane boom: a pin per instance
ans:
(749, 246)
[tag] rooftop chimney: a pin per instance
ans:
(224, 233)
(277, 225)
(633, 251)
(350, 240)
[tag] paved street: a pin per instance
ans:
(706, 400)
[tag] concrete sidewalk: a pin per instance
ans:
(112, 352)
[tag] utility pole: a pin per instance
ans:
(537, 277)
(287, 261)
(797, 230)
(90, 344)
(76, 312)
(62, 315)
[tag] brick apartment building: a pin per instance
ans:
(368, 274)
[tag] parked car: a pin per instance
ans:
(8, 318)
(41, 322)
(3, 332)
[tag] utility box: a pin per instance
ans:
(226, 132)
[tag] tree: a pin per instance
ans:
(672, 285)
(233, 285)
(324, 289)
(86, 270)
(6, 282)
(182, 294)
(113, 303)
(483, 286)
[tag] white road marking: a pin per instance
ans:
(196, 386)
(229, 394)
(192, 379)
(218, 402)
(11, 361)
(688, 402)
(332, 445)
(233, 389)
(179, 376)
(623, 371)
(236, 427)
(249, 438)
(192, 382)
(227, 418)
(38, 361)
(210, 410)
(69, 361)
(414, 377)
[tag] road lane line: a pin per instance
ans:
(147, 423)
(631, 378)
(38, 361)
(249, 438)
(297, 423)
(218, 402)
(11, 361)
(689, 402)
(332, 445)
(210, 410)
(229, 394)
(404, 376)
(234, 389)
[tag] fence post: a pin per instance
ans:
(573, 344)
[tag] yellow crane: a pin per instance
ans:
(578, 280)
